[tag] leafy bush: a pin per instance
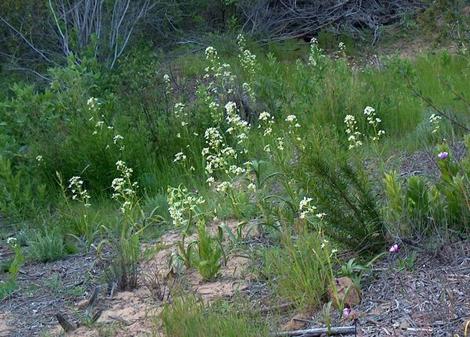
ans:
(421, 206)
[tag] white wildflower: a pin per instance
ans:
(306, 208)
(180, 156)
(435, 121)
(117, 139)
(291, 118)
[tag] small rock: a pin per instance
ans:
(345, 293)
(82, 304)
(297, 322)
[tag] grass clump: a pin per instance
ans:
(46, 245)
(188, 317)
(300, 268)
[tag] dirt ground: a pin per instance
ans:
(427, 296)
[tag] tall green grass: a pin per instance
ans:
(188, 317)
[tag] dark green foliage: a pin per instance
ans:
(21, 194)
(341, 188)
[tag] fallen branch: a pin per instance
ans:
(340, 330)
(65, 324)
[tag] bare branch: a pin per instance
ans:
(286, 19)
(28, 42)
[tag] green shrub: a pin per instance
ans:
(20, 195)
(420, 206)
(342, 190)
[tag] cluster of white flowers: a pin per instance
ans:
(92, 103)
(374, 121)
(237, 126)
(78, 192)
(307, 209)
(179, 109)
(215, 112)
(435, 121)
(341, 47)
(179, 157)
(316, 55)
(293, 125)
(352, 132)
(99, 124)
(236, 170)
(39, 158)
(183, 206)
(93, 107)
(125, 171)
(180, 113)
(220, 72)
(218, 156)
(264, 116)
(117, 139)
(354, 136)
(266, 122)
(167, 81)
(213, 139)
(280, 143)
(12, 241)
(291, 119)
(123, 187)
(224, 187)
(248, 63)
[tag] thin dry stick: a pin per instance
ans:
(278, 308)
(431, 104)
(340, 330)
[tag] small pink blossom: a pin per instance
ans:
(346, 312)
(394, 249)
(443, 155)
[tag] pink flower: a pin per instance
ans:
(394, 249)
(443, 155)
(346, 312)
